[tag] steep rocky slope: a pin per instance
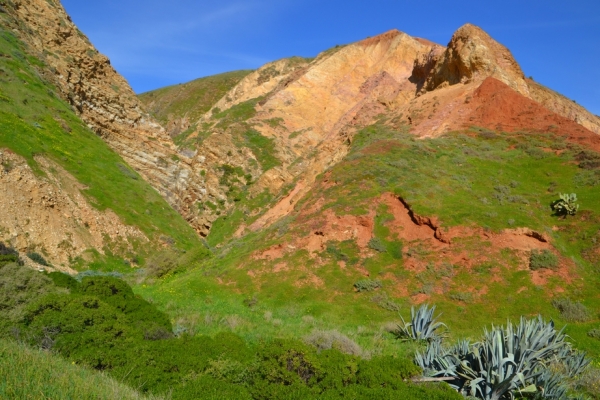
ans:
(64, 193)
(309, 111)
(103, 98)
(52, 216)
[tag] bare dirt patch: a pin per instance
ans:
(281, 209)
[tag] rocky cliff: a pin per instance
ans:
(103, 98)
(51, 215)
(311, 109)
(287, 122)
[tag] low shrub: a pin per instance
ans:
(572, 311)
(162, 263)
(326, 340)
(367, 285)
(383, 301)
(8, 259)
(594, 333)
(542, 259)
(19, 287)
(377, 245)
(38, 258)
(64, 281)
(462, 297)
(119, 294)
(385, 371)
(589, 383)
(7, 250)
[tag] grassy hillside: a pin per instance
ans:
(34, 120)
(34, 374)
(190, 99)
(270, 284)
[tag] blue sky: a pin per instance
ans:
(155, 43)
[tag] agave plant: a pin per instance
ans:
(572, 362)
(550, 386)
(422, 326)
(566, 205)
(506, 362)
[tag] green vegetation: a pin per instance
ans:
(471, 179)
(567, 205)
(422, 325)
(237, 114)
(36, 122)
(38, 258)
(266, 316)
(28, 373)
(263, 148)
(572, 311)
(542, 259)
(367, 285)
(98, 323)
(519, 360)
(191, 99)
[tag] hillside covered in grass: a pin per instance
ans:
(288, 231)
(34, 374)
(190, 100)
(458, 221)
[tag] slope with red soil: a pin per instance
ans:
(496, 106)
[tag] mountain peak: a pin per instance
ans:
(472, 55)
(383, 37)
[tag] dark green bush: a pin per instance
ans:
(8, 258)
(542, 259)
(64, 281)
(8, 255)
(7, 250)
(288, 362)
(38, 258)
(19, 286)
(377, 245)
(118, 294)
(385, 371)
(207, 387)
(367, 285)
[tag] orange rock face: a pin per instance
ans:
(309, 108)
(474, 81)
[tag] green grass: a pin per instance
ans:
(191, 99)
(237, 114)
(467, 179)
(34, 374)
(35, 121)
(263, 148)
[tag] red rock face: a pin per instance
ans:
(496, 106)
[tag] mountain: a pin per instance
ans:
(175, 106)
(314, 199)
(424, 171)
(66, 194)
(305, 112)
